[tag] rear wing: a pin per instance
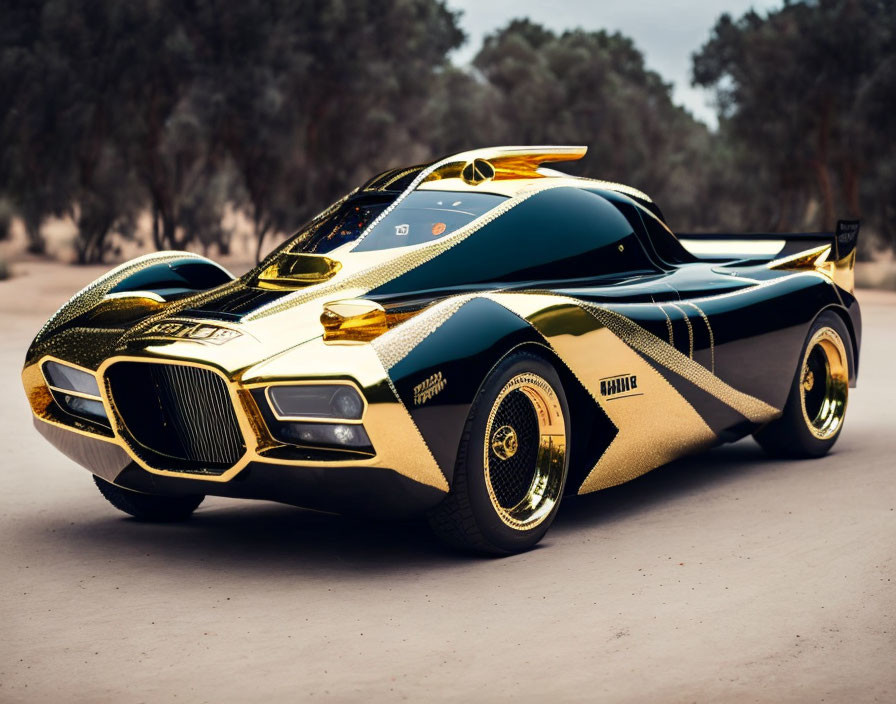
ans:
(832, 253)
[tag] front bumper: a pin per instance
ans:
(401, 469)
(370, 490)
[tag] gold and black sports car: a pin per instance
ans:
(469, 339)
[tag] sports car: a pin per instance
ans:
(470, 340)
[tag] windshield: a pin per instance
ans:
(343, 226)
(424, 216)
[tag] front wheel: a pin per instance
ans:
(149, 507)
(512, 461)
(816, 407)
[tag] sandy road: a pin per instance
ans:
(726, 577)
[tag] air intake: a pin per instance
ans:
(175, 417)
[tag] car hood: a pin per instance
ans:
(252, 319)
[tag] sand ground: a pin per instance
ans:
(725, 577)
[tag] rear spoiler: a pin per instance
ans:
(831, 253)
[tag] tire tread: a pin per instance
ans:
(149, 507)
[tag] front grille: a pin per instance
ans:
(176, 417)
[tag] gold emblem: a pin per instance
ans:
(477, 171)
(808, 379)
(429, 388)
(191, 330)
(505, 442)
(621, 386)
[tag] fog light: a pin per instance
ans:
(84, 406)
(326, 434)
(344, 434)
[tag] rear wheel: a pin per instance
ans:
(512, 462)
(149, 507)
(816, 407)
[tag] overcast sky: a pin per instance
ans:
(666, 31)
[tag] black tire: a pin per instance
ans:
(802, 431)
(473, 516)
(149, 507)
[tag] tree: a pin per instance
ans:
(796, 90)
(593, 88)
(307, 97)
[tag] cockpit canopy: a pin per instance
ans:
(420, 217)
(562, 228)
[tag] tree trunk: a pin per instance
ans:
(822, 175)
(156, 229)
(91, 241)
(36, 243)
(260, 232)
(169, 232)
(850, 185)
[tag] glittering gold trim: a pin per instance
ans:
(397, 176)
(92, 294)
(687, 322)
(712, 341)
(809, 259)
(668, 325)
(396, 344)
(397, 441)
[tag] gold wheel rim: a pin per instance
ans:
(824, 383)
(506, 443)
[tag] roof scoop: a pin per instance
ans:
(296, 270)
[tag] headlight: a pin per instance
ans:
(319, 415)
(336, 401)
(66, 378)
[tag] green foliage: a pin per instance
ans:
(115, 107)
(112, 109)
(805, 96)
(593, 88)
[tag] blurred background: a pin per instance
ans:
(220, 126)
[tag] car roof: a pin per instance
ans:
(507, 171)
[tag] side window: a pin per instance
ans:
(655, 236)
(666, 244)
(556, 235)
